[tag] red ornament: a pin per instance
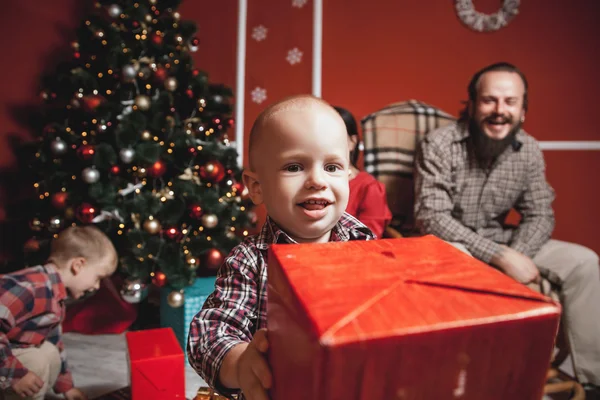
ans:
(49, 130)
(192, 150)
(91, 102)
(195, 72)
(59, 200)
(86, 152)
(214, 258)
(212, 171)
(190, 93)
(173, 233)
(157, 169)
(76, 54)
(238, 187)
(196, 211)
(160, 74)
(217, 121)
(115, 170)
(195, 41)
(156, 39)
(86, 213)
(231, 122)
(159, 279)
(32, 245)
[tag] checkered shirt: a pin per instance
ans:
(31, 311)
(238, 306)
(459, 201)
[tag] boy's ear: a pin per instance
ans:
(251, 182)
(77, 264)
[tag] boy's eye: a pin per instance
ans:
(332, 168)
(293, 168)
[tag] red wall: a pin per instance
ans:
(375, 53)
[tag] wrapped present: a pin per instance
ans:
(179, 318)
(402, 319)
(155, 365)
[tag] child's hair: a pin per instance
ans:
(352, 130)
(290, 103)
(83, 241)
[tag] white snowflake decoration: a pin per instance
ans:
(294, 56)
(299, 3)
(259, 95)
(259, 33)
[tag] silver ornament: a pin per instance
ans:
(58, 147)
(142, 102)
(175, 299)
(133, 291)
(171, 84)
(114, 10)
(210, 220)
(128, 72)
(55, 223)
(90, 175)
(127, 155)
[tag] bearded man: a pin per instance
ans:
(470, 174)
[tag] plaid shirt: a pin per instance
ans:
(31, 311)
(238, 306)
(459, 201)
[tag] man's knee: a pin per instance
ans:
(586, 266)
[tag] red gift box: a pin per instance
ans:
(156, 365)
(402, 319)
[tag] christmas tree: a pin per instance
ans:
(135, 140)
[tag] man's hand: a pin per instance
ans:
(75, 394)
(28, 385)
(253, 372)
(516, 265)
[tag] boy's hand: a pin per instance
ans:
(28, 385)
(75, 394)
(254, 375)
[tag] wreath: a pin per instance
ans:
(481, 22)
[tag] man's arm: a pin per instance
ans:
(433, 203)
(223, 328)
(535, 207)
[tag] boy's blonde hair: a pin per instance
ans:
(88, 242)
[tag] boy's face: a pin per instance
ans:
(302, 172)
(86, 276)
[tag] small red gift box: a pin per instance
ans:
(156, 365)
(402, 319)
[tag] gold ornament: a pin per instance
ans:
(171, 84)
(36, 225)
(69, 213)
(209, 220)
(142, 102)
(175, 299)
(152, 226)
(193, 262)
(146, 135)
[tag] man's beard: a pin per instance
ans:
(485, 148)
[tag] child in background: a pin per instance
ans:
(32, 308)
(299, 164)
(368, 200)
